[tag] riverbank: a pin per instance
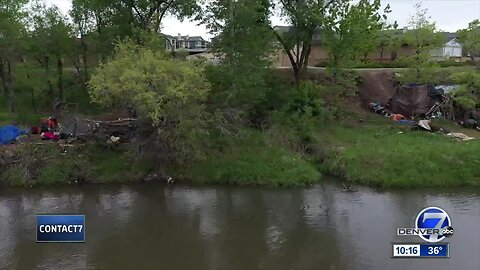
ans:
(32, 165)
(360, 147)
(378, 152)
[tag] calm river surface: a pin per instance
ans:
(155, 227)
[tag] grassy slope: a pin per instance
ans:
(376, 153)
(48, 164)
(250, 161)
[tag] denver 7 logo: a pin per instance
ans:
(433, 218)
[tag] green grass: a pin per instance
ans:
(43, 165)
(249, 161)
(378, 155)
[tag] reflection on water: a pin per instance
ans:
(154, 227)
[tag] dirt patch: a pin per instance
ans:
(376, 86)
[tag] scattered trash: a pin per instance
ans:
(73, 129)
(447, 88)
(470, 123)
(397, 117)
(460, 136)
(425, 124)
(411, 100)
(113, 139)
(49, 135)
(406, 122)
(377, 108)
(8, 134)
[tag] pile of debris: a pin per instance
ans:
(74, 128)
(416, 101)
(416, 105)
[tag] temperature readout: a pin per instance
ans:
(416, 250)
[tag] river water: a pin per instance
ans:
(156, 227)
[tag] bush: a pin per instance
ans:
(171, 94)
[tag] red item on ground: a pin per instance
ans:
(35, 130)
(49, 135)
(397, 117)
(48, 124)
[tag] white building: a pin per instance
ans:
(451, 48)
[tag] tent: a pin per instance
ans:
(410, 100)
(9, 134)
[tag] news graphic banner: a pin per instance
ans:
(432, 225)
(420, 250)
(60, 228)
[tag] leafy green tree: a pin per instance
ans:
(470, 39)
(167, 92)
(244, 43)
(306, 18)
(11, 28)
(467, 97)
(422, 36)
(351, 31)
(106, 21)
(348, 27)
(389, 39)
(83, 25)
(51, 40)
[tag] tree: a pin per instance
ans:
(351, 31)
(422, 36)
(470, 38)
(11, 29)
(336, 20)
(149, 14)
(169, 93)
(244, 42)
(84, 25)
(305, 17)
(51, 38)
(389, 39)
(106, 21)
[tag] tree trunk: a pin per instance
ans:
(46, 67)
(60, 78)
(32, 92)
(296, 75)
(85, 65)
(393, 55)
(11, 96)
(475, 63)
(6, 77)
(381, 54)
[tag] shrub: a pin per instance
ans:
(169, 93)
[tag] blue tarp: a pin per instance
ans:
(9, 134)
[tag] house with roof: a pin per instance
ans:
(452, 48)
(192, 44)
(319, 55)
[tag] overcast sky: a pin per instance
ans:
(450, 15)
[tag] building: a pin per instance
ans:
(451, 48)
(192, 44)
(319, 55)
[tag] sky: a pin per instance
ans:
(449, 15)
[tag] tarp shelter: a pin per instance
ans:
(9, 134)
(410, 100)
